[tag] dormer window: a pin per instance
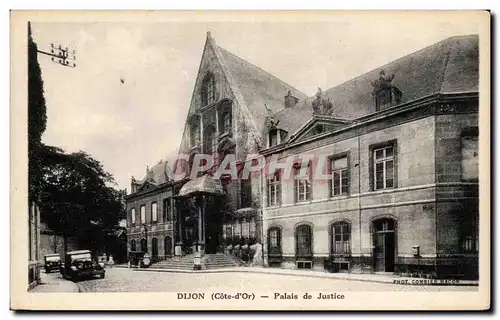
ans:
(386, 95)
(208, 90)
(273, 137)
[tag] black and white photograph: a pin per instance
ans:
(250, 160)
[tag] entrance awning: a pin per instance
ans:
(205, 184)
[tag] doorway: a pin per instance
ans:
(384, 241)
(168, 246)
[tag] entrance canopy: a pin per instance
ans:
(205, 184)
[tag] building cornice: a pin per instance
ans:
(434, 99)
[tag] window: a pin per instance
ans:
(383, 160)
(304, 240)
(210, 140)
(244, 231)
(469, 232)
(302, 185)
(339, 176)
(229, 230)
(133, 246)
(208, 90)
(470, 155)
(252, 228)
(143, 214)
(274, 243)
(274, 190)
(237, 228)
(246, 193)
(133, 215)
(226, 122)
(195, 136)
(154, 212)
(167, 210)
(273, 137)
(144, 245)
(341, 234)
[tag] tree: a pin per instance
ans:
(37, 119)
(77, 199)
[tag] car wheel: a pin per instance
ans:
(102, 276)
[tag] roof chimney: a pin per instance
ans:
(290, 100)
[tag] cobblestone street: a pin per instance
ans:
(125, 280)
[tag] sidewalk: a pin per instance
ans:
(53, 283)
(376, 278)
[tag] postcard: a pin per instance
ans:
(250, 160)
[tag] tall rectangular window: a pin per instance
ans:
(133, 216)
(383, 166)
(274, 190)
(167, 210)
(252, 228)
(143, 214)
(470, 154)
(273, 238)
(341, 238)
(244, 229)
(154, 212)
(339, 176)
(302, 185)
(246, 193)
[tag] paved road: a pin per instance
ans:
(125, 280)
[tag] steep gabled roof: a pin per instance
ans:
(156, 175)
(449, 66)
(258, 87)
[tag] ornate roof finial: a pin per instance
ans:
(383, 81)
(209, 34)
(319, 93)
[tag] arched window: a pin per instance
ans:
(208, 90)
(303, 237)
(154, 249)
(226, 122)
(133, 246)
(168, 246)
(341, 238)
(274, 241)
(144, 245)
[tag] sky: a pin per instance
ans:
(128, 126)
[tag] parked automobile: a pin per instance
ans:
(139, 259)
(80, 264)
(52, 261)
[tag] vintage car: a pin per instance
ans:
(52, 261)
(80, 264)
(139, 259)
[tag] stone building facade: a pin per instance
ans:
(230, 104)
(400, 150)
(397, 149)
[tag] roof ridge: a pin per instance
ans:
(259, 68)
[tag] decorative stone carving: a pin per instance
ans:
(321, 105)
(385, 93)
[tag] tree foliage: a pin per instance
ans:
(37, 119)
(77, 199)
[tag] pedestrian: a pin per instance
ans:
(111, 262)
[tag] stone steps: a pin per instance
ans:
(209, 262)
